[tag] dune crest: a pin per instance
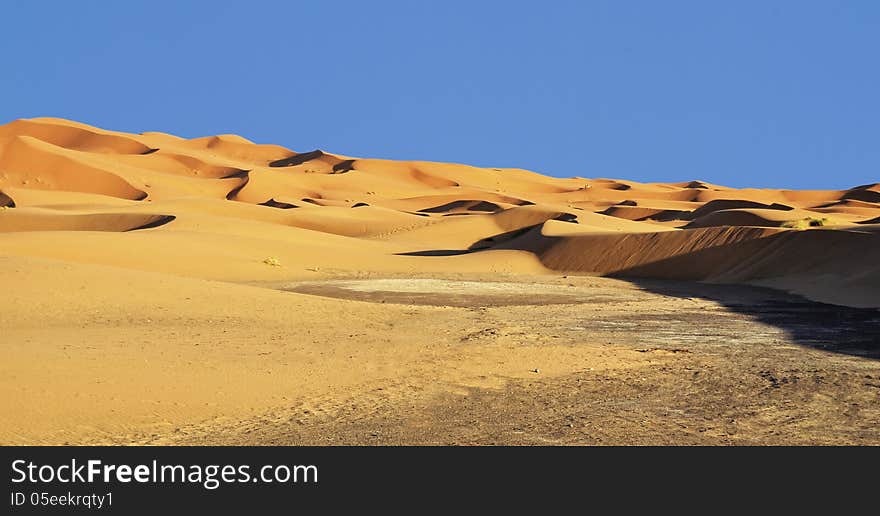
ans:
(216, 207)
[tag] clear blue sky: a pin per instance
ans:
(761, 93)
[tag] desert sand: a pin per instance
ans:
(215, 290)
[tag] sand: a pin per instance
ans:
(161, 289)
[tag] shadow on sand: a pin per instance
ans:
(838, 329)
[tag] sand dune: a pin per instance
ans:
(219, 206)
(753, 217)
(168, 290)
(42, 219)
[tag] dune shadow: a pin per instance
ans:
(297, 159)
(161, 221)
(272, 203)
(486, 243)
(838, 329)
(480, 245)
(245, 177)
(469, 205)
(436, 252)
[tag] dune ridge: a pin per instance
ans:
(218, 206)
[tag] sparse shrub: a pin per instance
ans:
(808, 222)
(274, 262)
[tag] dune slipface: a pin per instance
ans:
(235, 203)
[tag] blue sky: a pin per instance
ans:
(745, 93)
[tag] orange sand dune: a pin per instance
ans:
(220, 207)
(753, 217)
(42, 219)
